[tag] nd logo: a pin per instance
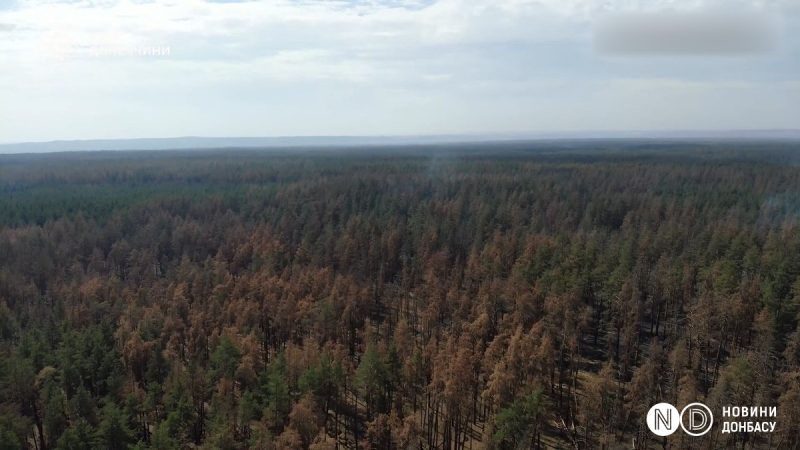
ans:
(696, 419)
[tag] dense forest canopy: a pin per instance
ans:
(493, 296)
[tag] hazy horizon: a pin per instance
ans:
(221, 142)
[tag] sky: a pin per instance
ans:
(112, 69)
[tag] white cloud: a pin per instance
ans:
(486, 56)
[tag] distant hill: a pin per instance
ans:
(193, 142)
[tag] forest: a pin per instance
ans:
(495, 296)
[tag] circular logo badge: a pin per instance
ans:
(663, 419)
(696, 419)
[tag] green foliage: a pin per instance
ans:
(113, 432)
(14, 429)
(34, 347)
(249, 409)
(274, 392)
(161, 440)
(394, 371)
(132, 411)
(322, 379)
(90, 358)
(157, 369)
(181, 416)
(225, 359)
(221, 435)
(55, 416)
(371, 377)
(81, 405)
(79, 436)
(517, 424)
(7, 326)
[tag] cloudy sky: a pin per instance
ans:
(70, 69)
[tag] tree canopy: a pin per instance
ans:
(523, 295)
